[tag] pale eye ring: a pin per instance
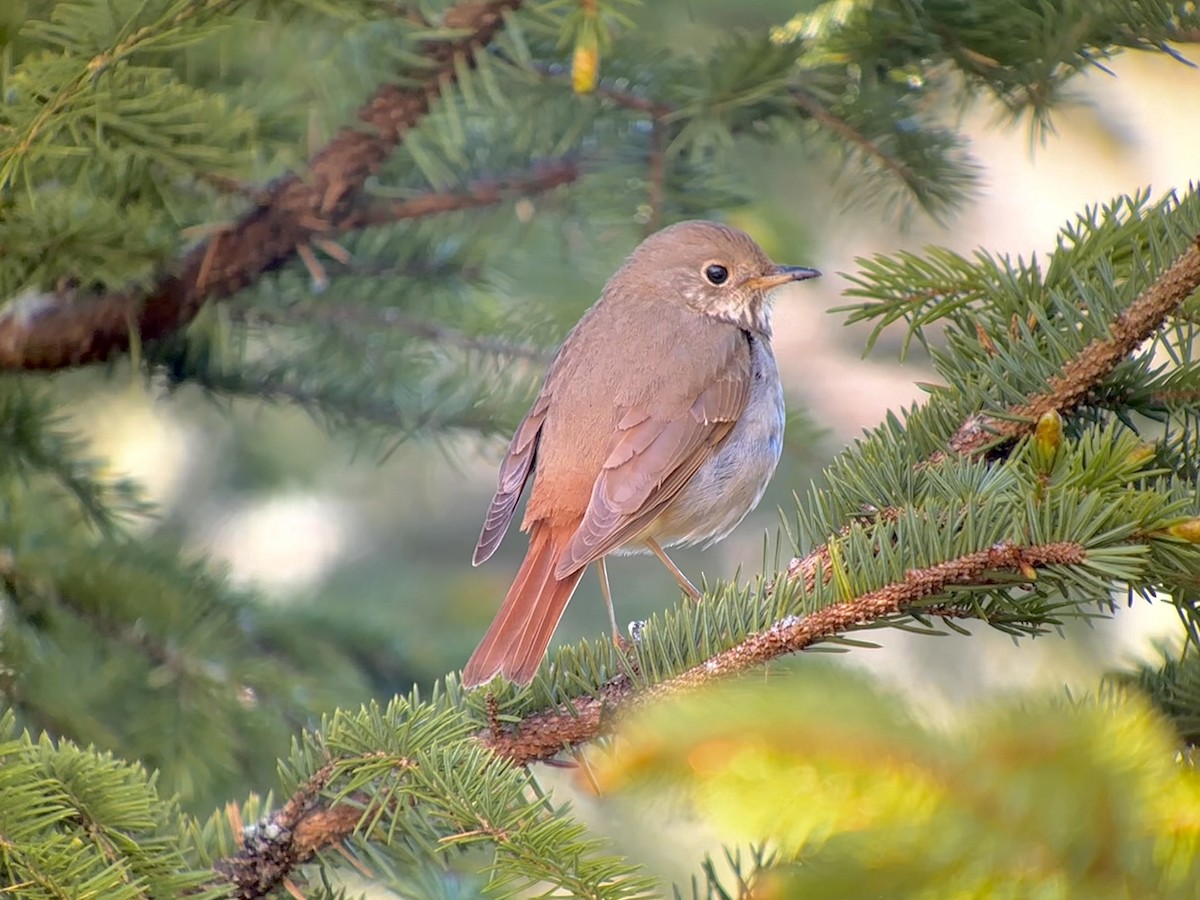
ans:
(716, 273)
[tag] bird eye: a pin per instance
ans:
(716, 274)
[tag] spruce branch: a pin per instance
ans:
(854, 137)
(142, 39)
(308, 822)
(658, 114)
(132, 636)
(541, 177)
(624, 98)
(270, 384)
(292, 836)
(60, 332)
(820, 558)
(1179, 397)
(1081, 375)
(542, 735)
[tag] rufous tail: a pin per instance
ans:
(517, 639)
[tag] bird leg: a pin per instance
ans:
(602, 571)
(687, 586)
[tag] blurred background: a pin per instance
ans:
(318, 524)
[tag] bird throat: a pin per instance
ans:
(754, 317)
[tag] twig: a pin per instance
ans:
(271, 850)
(544, 734)
(626, 99)
(68, 332)
(156, 649)
(844, 129)
(1176, 397)
(819, 558)
(657, 161)
(543, 176)
(280, 385)
(1079, 376)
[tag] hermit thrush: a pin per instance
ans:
(659, 423)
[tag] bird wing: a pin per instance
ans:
(517, 466)
(656, 450)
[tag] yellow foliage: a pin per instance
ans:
(1034, 798)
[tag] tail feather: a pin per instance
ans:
(517, 639)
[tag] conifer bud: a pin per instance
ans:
(1049, 433)
(1187, 530)
(585, 62)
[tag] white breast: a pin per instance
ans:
(730, 484)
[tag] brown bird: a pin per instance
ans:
(659, 423)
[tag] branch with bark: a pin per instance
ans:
(541, 177)
(1079, 376)
(58, 331)
(308, 823)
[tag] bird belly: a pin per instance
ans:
(730, 484)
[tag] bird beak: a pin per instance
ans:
(781, 275)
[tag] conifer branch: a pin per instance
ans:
(307, 823)
(622, 98)
(103, 61)
(59, 331)
(852, 135)
(1176, 397)
(541, 177)
(656, 162)
(542, 735)
(19, 588)
(271, 851)
(819, 558)
(1080, 376)
(282, 385)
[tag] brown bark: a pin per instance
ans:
(60, 330)
(1079, 376)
